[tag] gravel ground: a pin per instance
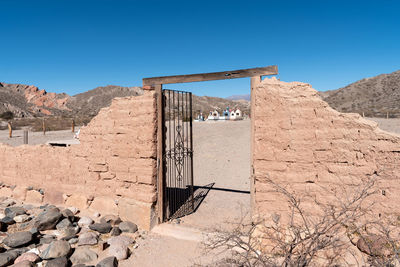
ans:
(35, 138)
(390, 125)
(221, 156)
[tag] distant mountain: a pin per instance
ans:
(90, 102)
(206, 104)
(374, 96)
(239, 97)
(29, 101)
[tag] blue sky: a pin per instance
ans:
(73, 46)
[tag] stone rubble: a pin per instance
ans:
(48, 236)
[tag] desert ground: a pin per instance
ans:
(389, 125)
(221, 156)
(35, 138)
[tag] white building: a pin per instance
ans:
(236, 115)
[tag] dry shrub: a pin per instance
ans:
(332, 238)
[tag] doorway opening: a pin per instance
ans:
(191, 163)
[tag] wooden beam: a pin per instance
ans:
(160, 151)
(263, 71)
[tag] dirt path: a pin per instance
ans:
(221, 156)
(35, 138)
(390, 125)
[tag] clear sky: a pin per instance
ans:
(73, 46)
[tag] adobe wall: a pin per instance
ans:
(112, 170)
(302, 143)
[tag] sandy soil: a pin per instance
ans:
(35, 138)
(221, 156)
(390, 125)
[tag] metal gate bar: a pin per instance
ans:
(178, 156)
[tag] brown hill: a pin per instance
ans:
(89, 103)
(374, 96)
(29, 101)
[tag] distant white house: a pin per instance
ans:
(236, 115)
(227, 115)
(214, 115)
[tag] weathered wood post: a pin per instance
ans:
(44, 127)
(363, 115)
(387, 115)
(25, 137)
(73, 126)
(9, 130)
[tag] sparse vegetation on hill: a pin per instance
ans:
(375, 96)
(29, 102)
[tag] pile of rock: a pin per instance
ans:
(55, 236)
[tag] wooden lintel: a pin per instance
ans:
(263, 71)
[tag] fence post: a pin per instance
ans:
(73, 126)
(25, 137)
(387, 115)
(44, 127)
(9, 130)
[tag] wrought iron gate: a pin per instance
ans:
(178, 154)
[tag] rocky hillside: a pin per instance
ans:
(28, 101)
(207, 104)
(239, 97)
(374, 96)
(90, 102)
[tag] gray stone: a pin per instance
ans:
(56, 249)
(7, 220)
(21, 218)
(34, 231)
(64, 223)
(128, 227)
(7, 258)
(47, 239)
(83, 255)
(88, 238)
(121, 252)
(14, 211)
(47, 219)
(374, 245)
(18, 239)
(108, 262)
(121, 240)
(112, 219)
(18, 251)
(115, 231)
(85, 221)
(57, 262)
(102, 228)
(27, 256)
(67, 213)
(69, 232)
(73, 240)
(23, 264)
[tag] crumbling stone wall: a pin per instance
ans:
(303, 144)
(113, 170)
